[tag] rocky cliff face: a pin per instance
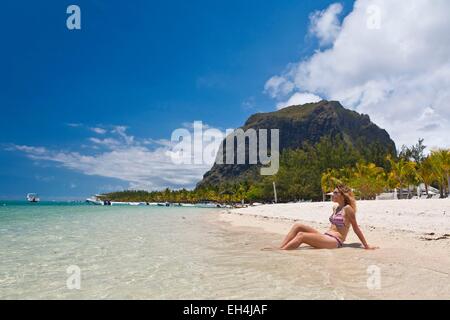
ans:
(305, 123)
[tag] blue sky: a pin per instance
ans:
(135, 72)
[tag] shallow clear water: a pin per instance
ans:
(150, 253)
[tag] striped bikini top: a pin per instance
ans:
(337, 218)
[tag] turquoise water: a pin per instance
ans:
(117, 249)
(127, 252)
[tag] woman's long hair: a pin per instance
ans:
(347, 193)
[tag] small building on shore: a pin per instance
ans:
(413, 192)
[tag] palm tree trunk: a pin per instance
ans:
(448, 182)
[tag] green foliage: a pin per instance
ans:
(367, 180)
(440, 166)
(414, 153)
(300, 174)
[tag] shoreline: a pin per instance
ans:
(413, 259)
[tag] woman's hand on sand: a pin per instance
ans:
(371, 247)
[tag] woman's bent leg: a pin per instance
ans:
(296, 228)
(316, 240)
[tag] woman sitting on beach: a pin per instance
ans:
(343, 216)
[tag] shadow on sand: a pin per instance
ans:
(355, 245)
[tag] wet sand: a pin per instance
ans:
(413, 261)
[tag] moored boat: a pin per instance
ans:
(33, 197)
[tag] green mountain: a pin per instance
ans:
(309, 124)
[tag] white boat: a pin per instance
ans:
(95, 200)
(209, 205)
(33, 197)
(136, 203)
(118, 203)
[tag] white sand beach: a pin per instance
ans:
(413, 236)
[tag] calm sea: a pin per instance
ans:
(125, 252)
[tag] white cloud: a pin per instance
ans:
(278, 86)
(325, 24)
(158, 142)
(125, 158)
(107, 142)
(110, 188)
(248, 103)
(98, 130)
(121, 131)
(29, 149)
(190, 125)
(396, 73)
(74, 125)
(299, 98)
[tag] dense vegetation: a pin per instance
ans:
(312, 171)
(410, 168)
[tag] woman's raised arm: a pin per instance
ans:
(350, 213)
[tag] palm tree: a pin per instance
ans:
(426, 173)
(228, 194)
(328, 181)
(444, 154)
(441, 164)
(402, 173)
(368, 180)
